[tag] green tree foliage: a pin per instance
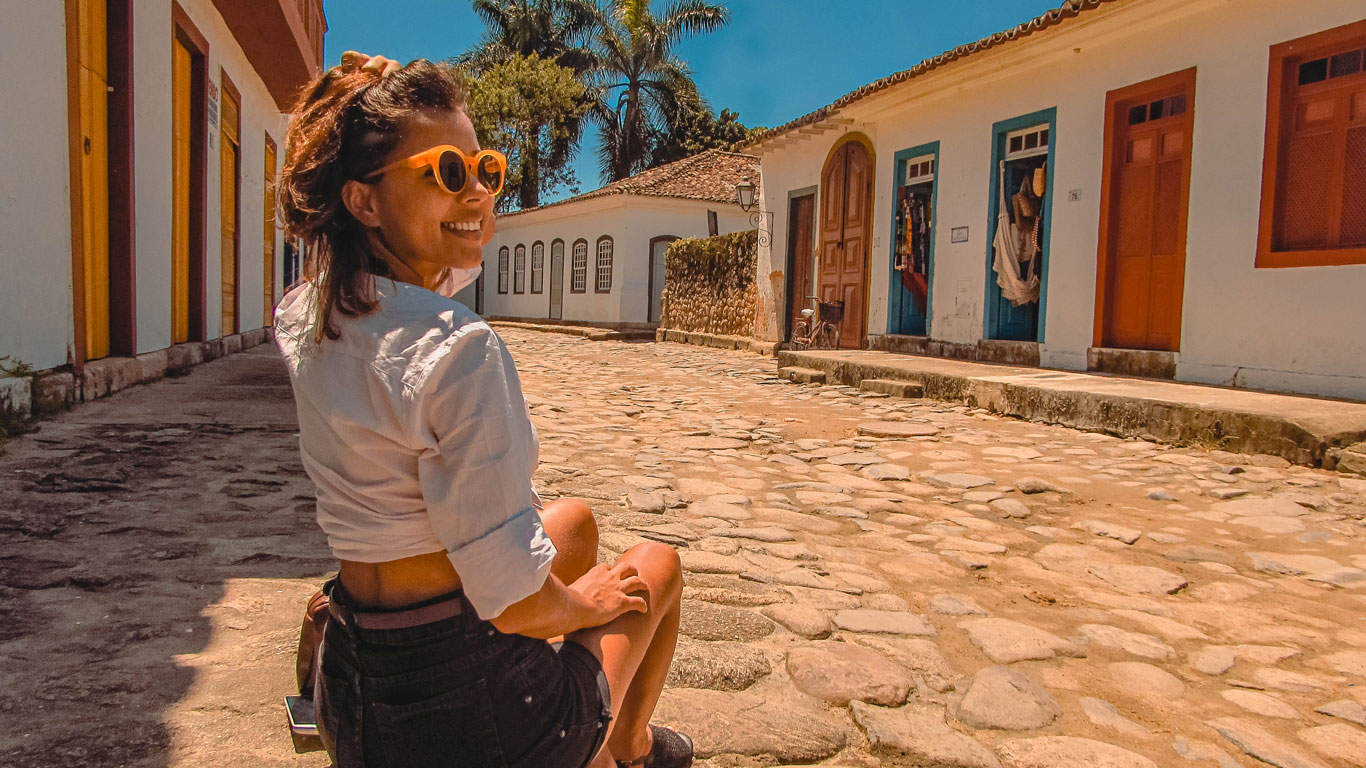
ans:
(694, 128)
(641, 85)
(525, 107)
(558, 31)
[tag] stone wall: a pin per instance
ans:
(710, 285)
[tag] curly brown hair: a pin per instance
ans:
(344, 127)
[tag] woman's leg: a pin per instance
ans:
(570, 524)
(636, 649)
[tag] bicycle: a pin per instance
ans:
(821, 333)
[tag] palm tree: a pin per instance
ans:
(641, 83)
(555, 30)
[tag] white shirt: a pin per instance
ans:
(414, 429)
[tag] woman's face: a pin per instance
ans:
(425, 226)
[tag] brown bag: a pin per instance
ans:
(310, 638)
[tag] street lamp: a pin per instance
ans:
(744, 195)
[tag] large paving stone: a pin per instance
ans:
(954, 605)
(960, 480)
(844, 672)
(1338, 741)
(886, 622)
(918, 735)
(708, 621)
(771, 533)
(919, 655)
(1260, 704)
(1005, 641)
(805, 621)
(896, 429)
(1348, 662)
(1006, 699)
(720, 665)
(1346, 709)
(781, 725)
(698, 561)
(1256, 742)
(1137, 643)
(712, 443)
(1137, 579)
(1106, 715)
(1273, 507)
(1145, 679)
(1068, 752)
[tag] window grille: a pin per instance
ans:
(519, 269)
(503, 269)
(604, 270)
(537, 266)
(579, 268)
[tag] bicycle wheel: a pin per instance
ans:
(827, 337)
(801, 338)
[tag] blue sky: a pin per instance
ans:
(776, 60)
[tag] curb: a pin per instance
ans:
(1302, 430)
(583, 331)
(59, 389)
(716, 341)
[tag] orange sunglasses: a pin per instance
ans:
(453, 168)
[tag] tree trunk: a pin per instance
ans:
(529, 191)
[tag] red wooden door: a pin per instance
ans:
(801, 219)
(1146, 239)
(846, 197)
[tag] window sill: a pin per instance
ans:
(1332, 257)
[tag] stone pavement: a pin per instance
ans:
(869, 580)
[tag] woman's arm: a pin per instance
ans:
(603, 594)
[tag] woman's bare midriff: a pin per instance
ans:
(399, 583)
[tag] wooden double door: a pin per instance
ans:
(1143, 258)
(842, 268)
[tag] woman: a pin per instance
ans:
(413, 426)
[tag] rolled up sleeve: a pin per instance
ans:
(475, 472)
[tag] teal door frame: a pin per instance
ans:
(998, 151)
(894, 287)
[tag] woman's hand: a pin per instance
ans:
(352, 61)
(609, 591)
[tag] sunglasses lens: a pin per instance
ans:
(491, 174)
(453, 172)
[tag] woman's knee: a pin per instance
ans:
(570, 524)
(661, 568)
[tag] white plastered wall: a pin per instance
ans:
(35, 187)
(631, 221)
(152, 153)
(1283, 329)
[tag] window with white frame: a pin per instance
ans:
(537, 266)
(519, 269)
(503, 269)
(578, 270)
(603, 274)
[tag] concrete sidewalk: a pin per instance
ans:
(590, 332)
(1305, 430)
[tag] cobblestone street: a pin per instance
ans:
(869, 580)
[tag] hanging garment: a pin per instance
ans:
(1009, 242)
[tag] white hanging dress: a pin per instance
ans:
(1010, 253)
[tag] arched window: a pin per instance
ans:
(603, 274)
(537, 266)
(503, 269)
(519, 269)
(578, 270)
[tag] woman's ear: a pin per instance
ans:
(359, 199)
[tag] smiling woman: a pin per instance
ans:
(413, 427)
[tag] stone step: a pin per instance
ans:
(893, 387)
(802, 375)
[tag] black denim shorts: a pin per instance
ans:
(457, 692)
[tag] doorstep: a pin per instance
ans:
(1304, 430)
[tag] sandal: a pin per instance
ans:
(668, 749)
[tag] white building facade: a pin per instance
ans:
(139, 215)
(598, 258)
(1201, 211)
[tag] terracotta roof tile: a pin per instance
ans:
(1068, 10)
(710, 175)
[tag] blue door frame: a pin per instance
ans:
(903, 317)
(1000, 319)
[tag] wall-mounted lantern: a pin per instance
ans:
(744, 195)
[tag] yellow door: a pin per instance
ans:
(180, 194)
(92, 70)
(268, 251)
(228, 206)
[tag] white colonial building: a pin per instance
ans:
(137, 218)
(1183, 184)
(598, 258)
